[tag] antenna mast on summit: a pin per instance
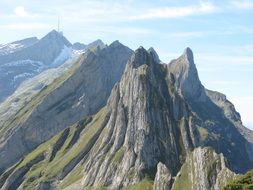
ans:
(58, 25)
(60, 32)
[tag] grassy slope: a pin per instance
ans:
(243, 182)
(146, 184)
(25, 111)
(46, 170)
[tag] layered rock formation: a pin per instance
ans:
(145, 137)
(203, 169)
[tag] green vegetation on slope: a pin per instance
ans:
(25, 111)
(203, 133)
(60, 153)
(183, 179)
(146, 184)
(243, 182)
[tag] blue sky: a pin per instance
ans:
(220, 32)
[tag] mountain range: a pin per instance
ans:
(108, 117)
(24, 59)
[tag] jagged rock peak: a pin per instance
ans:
(141, 56)
(163, 178)
(188, 54)
(98, 41)
(116, 43)
(186, 76)
(54, 35)
(79, 46)
(154, 54)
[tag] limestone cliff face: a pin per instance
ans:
(142, 127)
(64, 102)
(203, 169)
(147, 133)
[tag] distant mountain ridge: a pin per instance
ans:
(17, 45)
(81, 48)
(44, 51)
(24, 59)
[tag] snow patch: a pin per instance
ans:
(10, 48)
(66, 53)
(78, 52)
(22, 76)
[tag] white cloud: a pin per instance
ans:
(26, 26)
(243, 4)
(21, 12)
(174, 12)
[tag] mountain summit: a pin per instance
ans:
(120, 119)
(34, 57)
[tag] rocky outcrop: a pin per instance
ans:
(142, 130)
(185, 76)
(65, 101)
(203, 169)
(163, 178)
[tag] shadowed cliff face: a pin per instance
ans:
(149, 130)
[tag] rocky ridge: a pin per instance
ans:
(146, 136)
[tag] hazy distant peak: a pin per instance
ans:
(56, 36)
(115, 44)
